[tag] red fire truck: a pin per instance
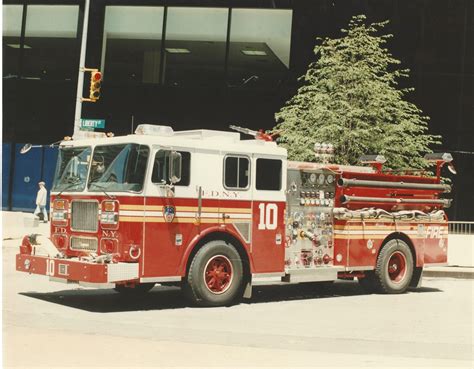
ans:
(215, 214)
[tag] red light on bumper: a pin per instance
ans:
(60, 241)
(326, 259)
(108, 245)
(26, 247)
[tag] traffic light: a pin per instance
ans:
(96, 81)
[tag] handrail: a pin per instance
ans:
(461, 227)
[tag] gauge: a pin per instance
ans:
(330, 179)
(321, 179)
(312, 177)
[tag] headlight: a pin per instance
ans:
(59, 212)
(109, 215)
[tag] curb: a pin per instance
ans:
(459, 274)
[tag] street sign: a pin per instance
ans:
(92, 123)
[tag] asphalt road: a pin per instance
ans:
(50, 325)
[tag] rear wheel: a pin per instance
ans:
(215, 275)
(394, 269)
(138, 289)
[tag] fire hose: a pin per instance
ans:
(372, 213)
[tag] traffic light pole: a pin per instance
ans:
(80, 78)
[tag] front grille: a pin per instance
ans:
(84, 216)
(84, 243)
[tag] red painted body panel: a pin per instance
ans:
(268, 255)
(359, 242)
(76, 271)
(164, 256)
(127, 234)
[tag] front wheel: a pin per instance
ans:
(215, 276)
(394, 269)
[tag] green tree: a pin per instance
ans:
(350, 98)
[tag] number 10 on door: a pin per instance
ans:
(268, 216)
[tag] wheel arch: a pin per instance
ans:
(213, 235)
(404, 237)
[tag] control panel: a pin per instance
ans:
(309, 220)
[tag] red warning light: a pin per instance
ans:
(96, 76)
(96, 81)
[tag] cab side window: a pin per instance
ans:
(161, 168)
(236, 172)
(268, 175)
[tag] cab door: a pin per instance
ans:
(169, 224)
(268, 210)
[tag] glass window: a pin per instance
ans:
(195, 46)
(132, 44)
(71, 169)
(268, 175)
(12, 16)
(51, 50)
(259, 51)
(236, 172)
(161, 168)
(118, 168)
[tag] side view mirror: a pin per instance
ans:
(175, 167)
(26, 148)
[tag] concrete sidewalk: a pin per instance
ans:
(16, 224)
(449, 272)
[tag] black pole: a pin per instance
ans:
(163, 50)
(22, 41)
(227, 45)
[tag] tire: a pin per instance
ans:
(394, 269)
(139, 289)
(215, 276)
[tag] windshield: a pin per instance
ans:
(118, 168)
(71, 169)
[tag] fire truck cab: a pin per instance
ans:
(215, 214)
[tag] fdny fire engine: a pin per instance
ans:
(216, 214)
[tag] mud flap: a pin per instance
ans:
(417, 277)
(248, 290)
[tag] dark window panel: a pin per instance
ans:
(51, 48)
(268, 175)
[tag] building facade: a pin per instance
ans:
(208, 64)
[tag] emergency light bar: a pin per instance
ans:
(368, 159)
(439, 156)
(154, 130)
(375, 161)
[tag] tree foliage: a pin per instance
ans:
(350, 98)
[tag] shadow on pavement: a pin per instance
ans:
(160, 297)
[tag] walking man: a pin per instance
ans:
(41, 201)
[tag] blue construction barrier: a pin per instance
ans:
(6, 165)
(28, 169)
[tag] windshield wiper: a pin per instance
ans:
(103, 190)
(70, 185)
